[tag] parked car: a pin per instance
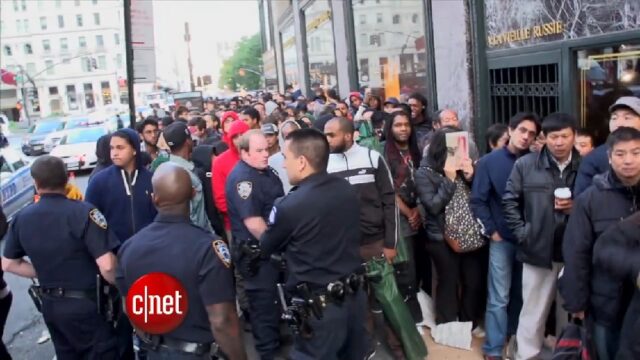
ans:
(78, 147)
(16, 183)
(73, 122)
(33, 143)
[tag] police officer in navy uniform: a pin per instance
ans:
(198, 259)
(251, 190)
(68, 247)
(316, 225)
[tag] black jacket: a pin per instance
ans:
(617, 252)
(202, 160)
(585, 287)
(593, 164)
(435, 191)
(528, 205)
(369, 174)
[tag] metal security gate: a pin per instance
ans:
(533, 88)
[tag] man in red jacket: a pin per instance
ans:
(222, 166)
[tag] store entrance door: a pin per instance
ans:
(604, 74)
(527, 82)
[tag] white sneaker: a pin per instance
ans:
(478, 332)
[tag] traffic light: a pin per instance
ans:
(206, 80)
(199, 81)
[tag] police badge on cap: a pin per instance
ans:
(244, 189)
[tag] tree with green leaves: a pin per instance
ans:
(238, 71)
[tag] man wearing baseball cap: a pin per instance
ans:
(270, 131)
(178, 138)
(625, 112)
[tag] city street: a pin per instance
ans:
(25, 332)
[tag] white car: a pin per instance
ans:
(78, 147)
(72, 122)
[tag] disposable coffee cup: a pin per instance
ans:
(562, 193)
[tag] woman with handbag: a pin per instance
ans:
(454, 238)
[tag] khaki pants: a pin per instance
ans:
(368, 252)
(538, 293)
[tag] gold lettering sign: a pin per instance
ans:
(289, 42)
(318, 20)
(523, 34)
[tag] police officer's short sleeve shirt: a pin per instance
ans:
(62, 238)
(250, 193)
(196, 258)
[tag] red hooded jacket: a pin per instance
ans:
(222, 166)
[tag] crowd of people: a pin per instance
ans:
(537, 232)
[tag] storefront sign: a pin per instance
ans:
(318, 20)
(524, 34)
(519, 23)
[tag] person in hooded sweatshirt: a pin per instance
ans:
(103, 153)
(221, 168)
(122, 193)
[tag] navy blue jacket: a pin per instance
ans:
(597, 162)
(586, 287)
(108, 192)
(489, 183)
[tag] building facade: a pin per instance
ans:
(487, 59)
(71, 55)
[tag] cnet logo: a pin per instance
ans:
(157, 303)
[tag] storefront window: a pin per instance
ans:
(392, 52)
(290, 56)
(605, 74)
(320, 45)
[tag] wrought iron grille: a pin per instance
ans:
(527, 88)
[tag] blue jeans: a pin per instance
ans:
(606, 340)
(502, 263)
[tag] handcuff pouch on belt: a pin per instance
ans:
(247, 255)
(35, 293)
(108, 301)
(307, 302)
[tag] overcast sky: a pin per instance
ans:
(210, 22)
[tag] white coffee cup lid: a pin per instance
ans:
(562, 193)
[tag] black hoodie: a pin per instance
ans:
(103, 153)
(201, 158)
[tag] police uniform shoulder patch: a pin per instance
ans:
(96, 216)
(244, 189)
(222, 251)
(272, 216)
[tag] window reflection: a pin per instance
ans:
(391, 50)
(320, 45)
(289, 55)
(605, 75)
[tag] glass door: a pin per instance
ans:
(605, 74)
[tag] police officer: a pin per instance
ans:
(251, 189)
(205, 273)
(68, 248)
(316, 225)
